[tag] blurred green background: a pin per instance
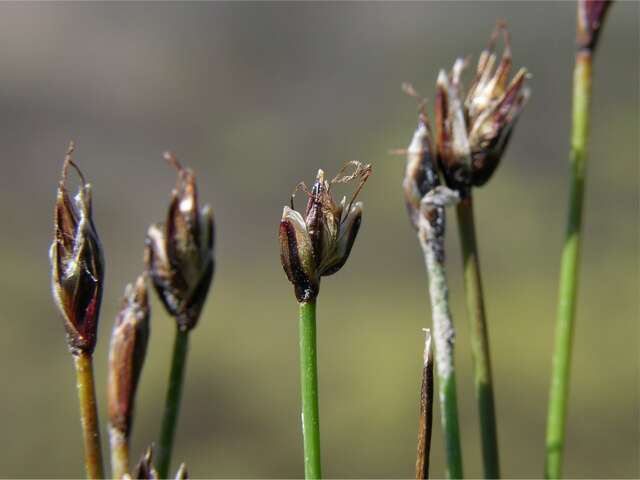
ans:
(255, 97)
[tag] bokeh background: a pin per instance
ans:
(255, 97)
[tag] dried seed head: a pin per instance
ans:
(420, 175)
(179, 253)
(126, 355)
(77, 265)
(319, 243)
(472, 135)
(145, 469)
(591, 15)
(182, 473)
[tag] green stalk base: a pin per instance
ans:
(172, 405)
(479, 338)
(309, 387)
(451, 426)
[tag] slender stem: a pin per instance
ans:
(172, 404)
(89, 415)
(569, 270)
(119, 452)
(309, 386)
(426, 413)
(479, 338)
(431, 235)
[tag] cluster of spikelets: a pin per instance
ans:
(178, 260)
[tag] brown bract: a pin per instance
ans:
(319, 243)
(472, 131)
(145, 469)
(77, 265)
(591, 14)
(179, 253)
(420, 175)
(126, 354)
(182, 473)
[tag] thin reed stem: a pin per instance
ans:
(89, 415)
(425, 422)
(479, 338)
(119, 452)
(559, 390)
(172, 404)
(309, 387)
(431, 235)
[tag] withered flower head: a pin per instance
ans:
(472, 132)
(591, 14)
(420, 175)
(126, 355)
(145, 469)
(318, 243)
(179, 253)
(77, 266)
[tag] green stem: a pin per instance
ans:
(172, 405)
(309, 386)
(479, 338)
(89, 415)
(431, 235)
(559, 391)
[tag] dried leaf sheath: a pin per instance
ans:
(425, 423)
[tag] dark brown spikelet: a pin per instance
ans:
(319, 243)
(296, 255)
(473, 130)
(77, 264)
(179, 253)
(126, 355)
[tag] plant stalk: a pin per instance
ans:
(559, 390)
(309, 387)
(119, 452)
(431, 235)
(89, 415)
(479, 337)
(172, 404)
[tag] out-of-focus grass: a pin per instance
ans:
(256, 97)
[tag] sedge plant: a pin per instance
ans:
(312, 245)
(179, 260)
(77, 278)
(591, 14)
(426, 200)
(472, 133)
